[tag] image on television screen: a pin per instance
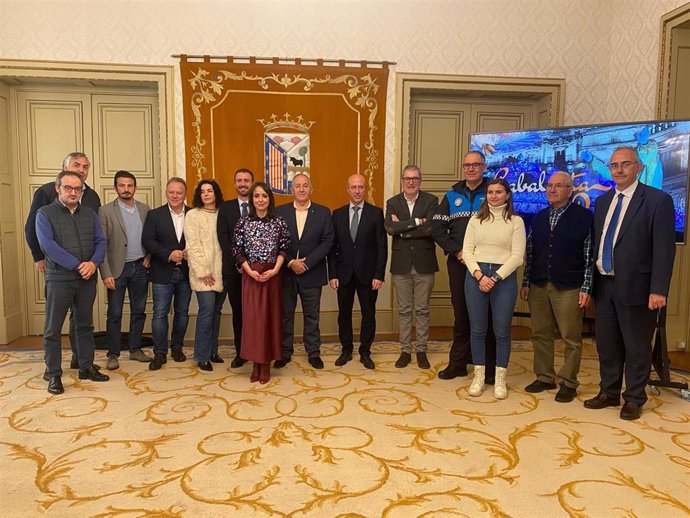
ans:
(527, 158)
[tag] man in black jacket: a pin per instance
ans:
(448, 227)
(357, 264)
(45, 195)
(162, 237)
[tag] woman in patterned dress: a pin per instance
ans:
(261, 243)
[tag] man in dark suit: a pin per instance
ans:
(228, 216)
(305, 272)
(357, 263)
(634, 246)
(45, 195)
(413, 261)
(162, 237)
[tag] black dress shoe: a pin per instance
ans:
(92, 374)
(45, 375)
(539, 386)
(422, 361)
(205, 366)
(602, 400)
(452, 371)
(565, 394)
(177, 354)
(237, 362)
(630, 411)
(316, 362)
(74, 364)
(217, 359)
(159, 359)
(55, 385)
(279, 364)
(367, 362)
(403, 360)
(343, 359)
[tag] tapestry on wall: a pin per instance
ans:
(281, 119)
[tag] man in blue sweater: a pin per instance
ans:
(72, 240)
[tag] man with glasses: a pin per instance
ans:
(72, 240)
(634, 243)
(558, 285)
(45, 195)
(413, 262)
(448, 227)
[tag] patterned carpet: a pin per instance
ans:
(341, 442)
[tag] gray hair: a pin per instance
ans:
(71, 156)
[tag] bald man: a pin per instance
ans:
(357, 264)
(558, 285)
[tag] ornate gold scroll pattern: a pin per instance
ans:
(115, 464)
(52, 416)
(450, 503)
(361, 92)
(573, 498)
(115, 512)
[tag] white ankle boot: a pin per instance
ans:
(477, 386)
(500, 390)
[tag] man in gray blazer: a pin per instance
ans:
(413, 261)
(125, 267)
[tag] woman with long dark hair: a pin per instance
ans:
(493, 249)
(205, 259)
(261, 243)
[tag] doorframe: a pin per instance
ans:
(407, 82)
(669, 22)
(159, 75)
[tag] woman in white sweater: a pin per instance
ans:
(205, 259)
(493, 249)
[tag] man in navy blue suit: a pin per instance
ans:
(357, 264)
(634, 246)
(305, 272)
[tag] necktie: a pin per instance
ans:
(245, 212)
(354, 223)
(607, 252)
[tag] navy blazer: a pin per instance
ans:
(366, 257)
(644, 250)
(314, 245)
(158, 238)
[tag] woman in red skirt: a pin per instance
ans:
(261, 242)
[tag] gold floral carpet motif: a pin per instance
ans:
(339, 442)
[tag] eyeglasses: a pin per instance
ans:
(69, 188)
(557, 186)
(622, 165)
(475, 165)
(411, 178)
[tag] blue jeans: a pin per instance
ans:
(502, 300)
(134, 281)
(163, 294)
(207, 324)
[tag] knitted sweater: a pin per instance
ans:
(495, 241)
(204, 254)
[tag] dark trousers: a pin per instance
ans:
(624, 342)
(460, 351)
(177, 289)
(134, 281)
(367, 302)
(233, 285)
(311, 306)
(60, 297)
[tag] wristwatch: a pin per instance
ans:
(496, 277)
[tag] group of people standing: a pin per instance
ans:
(265, 257)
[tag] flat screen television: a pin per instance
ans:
(527, 158)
